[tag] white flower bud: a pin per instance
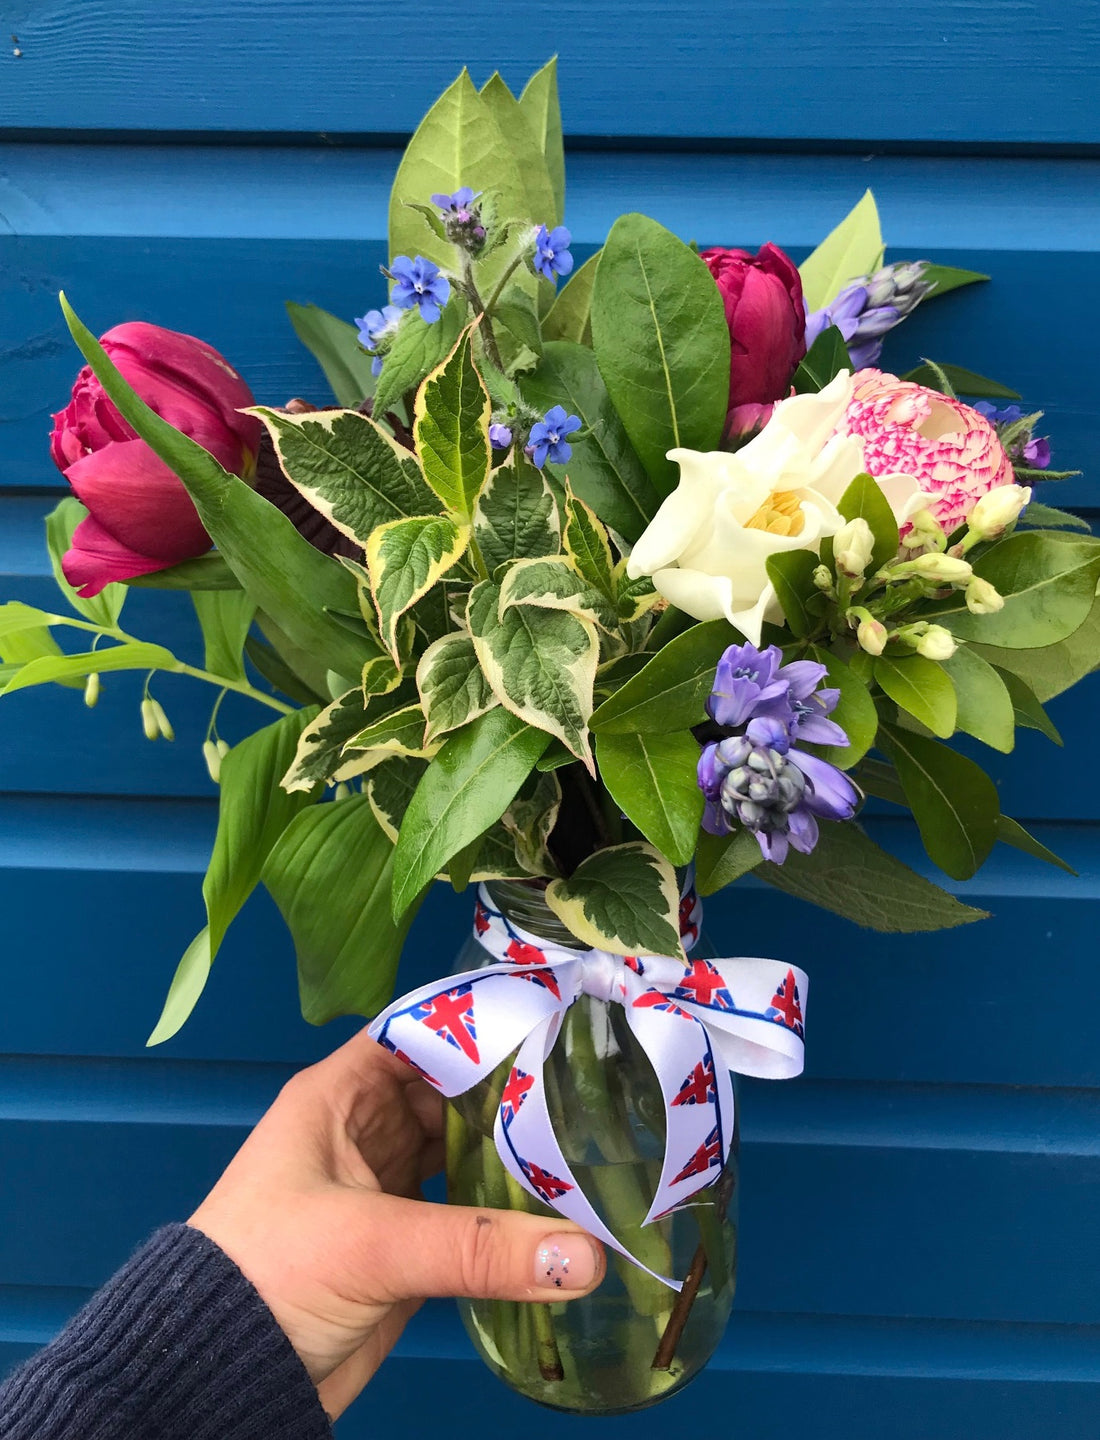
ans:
(223, 748)
(91, 690)
(163, 724)
(149, 720)
(872, 636)
(937, 643)
(213, 760)
(823, 578)
(982, 598)
(997, 510)
(853, 545)
(926, 533)
(939, 569)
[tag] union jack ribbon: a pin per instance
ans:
(696, 1021)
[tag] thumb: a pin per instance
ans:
(426, 1250)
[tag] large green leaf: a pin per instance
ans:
(405, 558)
(984, 704)
(453, 689)
(855, 711)
(953, 801)
(334, 344)
(1055, 668)
(466, 788)
(452, 430)
(416, 351)
(60, 668)
(652, 778)
(605, 470)
(1048, 583)
(515, 515)
(662, 345)
(943, 278)
(1011, 832)
(540, 105)
(722, 859)
(349, 469)
(556, 583)
(670, 693)
(541, 663)
(187, 985)
(850, 875)
(852, 250)
(921, 688)
(225, 617)
(536, 199)
(824, 361)
(102, 609)
(203, 572)
(570, 316)
(283, 573)
(330, 875)
(623, 899)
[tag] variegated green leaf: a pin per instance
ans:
(496, 857)
(540, 662)
(515, 516)
(404, 559)
(349, 469)
(452, 688)
(452, 430)
(318, 755)
(555, 584)
(623, 899)
(401, 732)
(529, 820)
(633, 598)
(380, 677)
(586, 544)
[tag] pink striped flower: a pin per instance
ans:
(951, 451)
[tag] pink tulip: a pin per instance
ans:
(140, 516)
(950, 450)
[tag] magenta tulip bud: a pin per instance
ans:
(140, 516)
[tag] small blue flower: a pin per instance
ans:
(462, 199)
(547, 439)
(500, 437)
(552, 255)
(374, 326)
(419, 283)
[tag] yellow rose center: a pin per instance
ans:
(780, 514)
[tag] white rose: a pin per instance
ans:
(706, 548)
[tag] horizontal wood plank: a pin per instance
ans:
(677, 70)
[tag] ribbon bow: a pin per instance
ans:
(696, 1022)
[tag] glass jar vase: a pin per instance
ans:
(634, 1340)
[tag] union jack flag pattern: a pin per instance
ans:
(708, 1155)
(786, 1008)
(683, 1014)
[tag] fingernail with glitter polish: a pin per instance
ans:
(566, 1262)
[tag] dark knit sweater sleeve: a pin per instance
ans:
(177, 1346)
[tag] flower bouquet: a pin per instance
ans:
(598, 599)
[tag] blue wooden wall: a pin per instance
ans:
(920, 1241)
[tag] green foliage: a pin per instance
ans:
(404, 559)
(623, 899)
(850, 875)
(985, 708)
(1011, 832)
(824, 361)
(855, 711)
(661, 342)
(850, 251)
(1052, 669)
(605, 470)
(791, 573)
(453, 688)
(864, 499)
(944, 278)
(1026, 708)
(284, 574)
(921, 688)
(542, 110)
(334, 344)
(204, 572)
(960, 381)
(570, 316)
(670, 693)
(585, 542)
(515, 514)
(1046, 517)
(468, 786)
(452, 431)
(102, 609)
(1049, 586)
(330, 875)
(652, 778)
(59, 668)
(722, 859)
(953, 801)
(225, 617)
(417, 349)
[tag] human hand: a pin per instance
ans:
(319, 1209)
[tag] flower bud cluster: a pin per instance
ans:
(462, 220)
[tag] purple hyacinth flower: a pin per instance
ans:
(500, 437)
(811, 706)
(373, 326)
(829, 793)
(770, 732)
(552, 255)
(418, 282)
(547, 439)
(844, 313)
(746, 683)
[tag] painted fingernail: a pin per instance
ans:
(566, 1262)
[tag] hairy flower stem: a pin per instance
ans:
(489, 339)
